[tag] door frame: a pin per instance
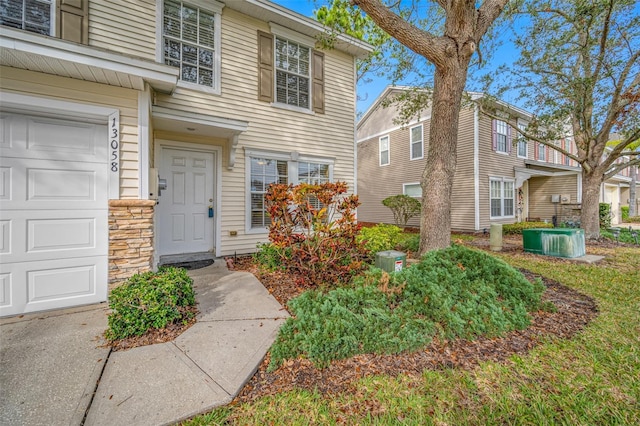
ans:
(159, 145)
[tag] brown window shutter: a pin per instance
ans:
(318, 82)
(265, 67)
(73, 20)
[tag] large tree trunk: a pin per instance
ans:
(632, 192)
(437, 178)
(590, 212)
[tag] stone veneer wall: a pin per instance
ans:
(130, 238)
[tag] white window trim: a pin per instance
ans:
(411, 142)
(502, 180)
(305, 41)
(522, 125)
(292, 159)
(404, 189)
(210, 6)
(380, 150)
(506, 136)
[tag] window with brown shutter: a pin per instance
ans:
(265, 67)
(73, 20)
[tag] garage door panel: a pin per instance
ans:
(53, 213)
(50, 138)
(53, 234)
(36, 286)
(44, 184)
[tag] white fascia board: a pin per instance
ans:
(271, 12)
(158, 75)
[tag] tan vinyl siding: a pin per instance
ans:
(462, 196)
(494, 164)
(541, 188)
(66, 89)
(271, 128)
(124, 26)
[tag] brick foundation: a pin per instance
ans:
(130, 238)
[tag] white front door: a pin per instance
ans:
(184, 222)
(53, 213)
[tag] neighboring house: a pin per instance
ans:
(500, 177)
(104, 100)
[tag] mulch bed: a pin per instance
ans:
(575, 311)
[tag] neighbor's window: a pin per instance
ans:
(522, 142)
(264, 172)
(417, 147)
(412, 190)
(292, 73)
(542, 152)
(502, 136)
(189, 37)
(384, 150)
(502, 196)
(30, 15)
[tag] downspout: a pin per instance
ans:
(476, 166)
(144, 111)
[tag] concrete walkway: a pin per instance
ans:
(202, 369)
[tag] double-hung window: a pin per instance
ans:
(501, 136)
(292, 73)
(417, 147)
(383, 147)
(522, 142)
(191, 42)
(265, 169)
(502, 197)
(264, 172)
(31, 15)
(542, 152)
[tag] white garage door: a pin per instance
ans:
(53, 219)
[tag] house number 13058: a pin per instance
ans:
(114, 142)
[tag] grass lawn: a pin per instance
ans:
(593, 378)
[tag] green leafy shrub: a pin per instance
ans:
(269, 256)
(314, 229)
(150, 300)
(605, 215)
(455, 292)
(624, 211)
(633, 219)
(624, 235)
(410, 242)
(516, 228)
(379, 238)
(403, 208)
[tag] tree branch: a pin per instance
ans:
(619, 167)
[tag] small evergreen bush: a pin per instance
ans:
(624, 211)
(150, 300)
(403, 208)
(516, 228)
(605, 215)
(456, 292)
(379, 238)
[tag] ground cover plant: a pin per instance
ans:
(451, 293)
(554, 372)
(151, 300)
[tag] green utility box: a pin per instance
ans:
(559, 242)
(391, 260)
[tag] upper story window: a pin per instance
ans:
(417, 147)
(522, 142)
(191, 42)
(501, 136)
(541, 152)
(292, 73)
(384, 150)
(65, 19)
(30, 15)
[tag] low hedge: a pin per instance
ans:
(150, 300)
(633, 219)
(516, 228)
